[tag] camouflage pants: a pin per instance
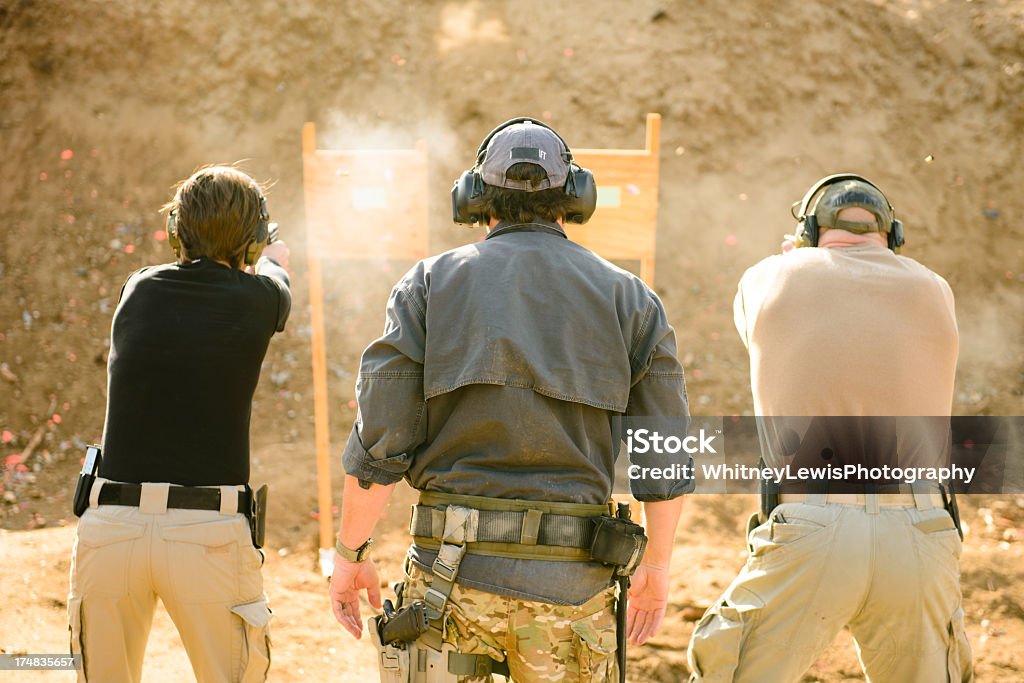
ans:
(541, 642)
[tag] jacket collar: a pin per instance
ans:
(535, 225)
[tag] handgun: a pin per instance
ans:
(405, 625)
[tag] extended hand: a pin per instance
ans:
(346, 582)
(279, 252)
(648, 597)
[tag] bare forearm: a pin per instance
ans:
(360, 510)
(660, 521)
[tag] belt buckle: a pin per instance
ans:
(446, 564)
(444, 571)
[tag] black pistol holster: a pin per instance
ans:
(395, 635)
(949, 499)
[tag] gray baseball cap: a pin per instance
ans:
(853, 193)
(530, 143)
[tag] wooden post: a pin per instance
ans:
(362, 206)
(653, 138)
(321, 414)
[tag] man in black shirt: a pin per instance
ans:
(168, 516)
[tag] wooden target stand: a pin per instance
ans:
(626, 220)
(360, 204)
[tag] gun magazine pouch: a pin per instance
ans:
(90, 469)
(258, 515)
(619, 543)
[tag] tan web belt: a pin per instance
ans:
(526, 527)
(922, 495)
(884, 499)
(506, 527)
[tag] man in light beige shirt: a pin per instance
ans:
(846, 328)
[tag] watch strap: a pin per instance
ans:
(360, 554)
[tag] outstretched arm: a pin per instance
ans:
(648, 592)
(360, 510)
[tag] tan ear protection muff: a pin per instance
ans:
(172, 233)
(253, 249)
(467, 193)
(807, 229)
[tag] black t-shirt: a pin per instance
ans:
(186, 346)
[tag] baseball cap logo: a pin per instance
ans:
(521, 153)
(855, 198)
(525, 143)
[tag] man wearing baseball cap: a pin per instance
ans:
(853, 352)
(494, 391)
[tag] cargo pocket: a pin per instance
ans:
(718, 638)
(255, 662)
(958, 655)
(203, 560)
(76, 633)
(595, 650)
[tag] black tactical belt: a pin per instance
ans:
(179, 497)
(511, 526)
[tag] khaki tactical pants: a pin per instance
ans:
(890, 573)
(542, 642)
(200, 563)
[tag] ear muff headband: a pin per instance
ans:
(481, 151)
(831, 180)
(807, 226)
(469, 188)
(253, 250)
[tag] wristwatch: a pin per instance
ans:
(360, 554)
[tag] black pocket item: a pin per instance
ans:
(258, 516)
(90, 468)
(618, 542)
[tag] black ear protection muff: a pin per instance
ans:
(253, 249)
(807, 229)
(468, 190)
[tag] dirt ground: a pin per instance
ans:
(106, 105)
